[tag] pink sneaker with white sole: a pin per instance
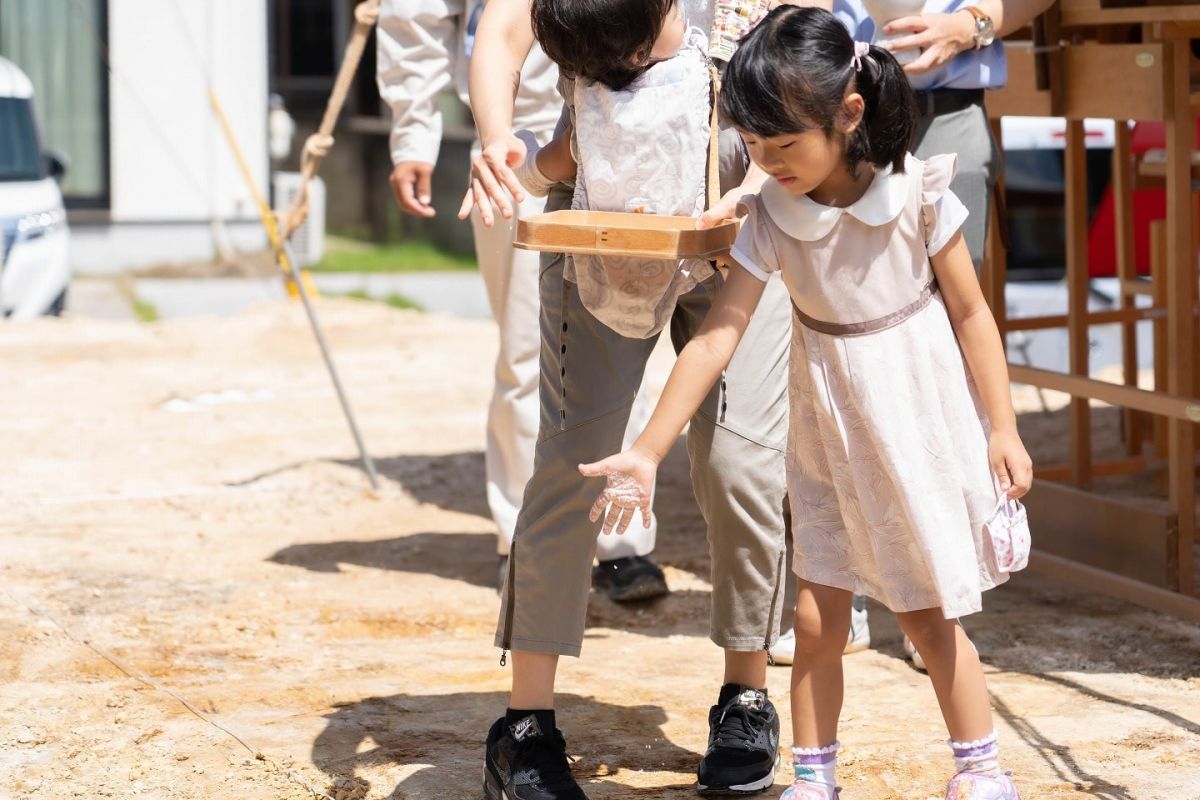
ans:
(973, 786)
(806, 790)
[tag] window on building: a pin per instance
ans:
(308, 40)
(60, 47)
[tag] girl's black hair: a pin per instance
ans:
(607, 41)
(791, 74)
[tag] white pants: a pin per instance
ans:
(511, 278)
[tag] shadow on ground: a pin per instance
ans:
(445, 733)
(438, 479)
(467, 557)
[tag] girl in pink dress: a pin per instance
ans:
(903, 443)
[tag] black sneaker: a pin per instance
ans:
(630, 579)
(743, 745)
(522, 763)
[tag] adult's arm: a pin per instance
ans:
(943, 36)
(415, 44)
(502, 43)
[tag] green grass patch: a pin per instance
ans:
(146, 312)
(351, 255)
(393, 300)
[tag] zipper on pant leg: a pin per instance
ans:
(723, 398)
(774, 602)
(511, 580)
(562, 359)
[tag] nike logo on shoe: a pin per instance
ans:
(752, 698)
(525, 727)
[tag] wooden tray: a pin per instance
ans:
(610, 233)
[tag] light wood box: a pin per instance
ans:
(611, 233)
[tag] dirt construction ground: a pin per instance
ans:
(192, 572)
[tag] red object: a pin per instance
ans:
(1148, 205)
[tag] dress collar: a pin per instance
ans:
(806, 220)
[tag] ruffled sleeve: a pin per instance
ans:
(942, 213)
(754, 250)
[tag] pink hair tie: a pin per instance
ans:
(861, 50)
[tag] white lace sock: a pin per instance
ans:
(981, 756)
(816, 765)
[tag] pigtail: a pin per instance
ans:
(889, 122)
(791, 73)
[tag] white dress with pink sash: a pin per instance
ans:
(888, 469)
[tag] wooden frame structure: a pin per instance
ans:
(1123, 60)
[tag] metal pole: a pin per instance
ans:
(368, 464)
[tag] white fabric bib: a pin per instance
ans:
(644, 149)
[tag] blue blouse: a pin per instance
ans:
(973, 69)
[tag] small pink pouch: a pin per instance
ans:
(1008, 530)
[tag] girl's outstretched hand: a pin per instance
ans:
(1010, 462)
(630, 489)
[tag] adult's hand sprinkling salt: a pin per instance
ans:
(629, 488)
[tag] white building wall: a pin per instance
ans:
(170, 160)
(172, 171)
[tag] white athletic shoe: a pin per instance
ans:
(910, 650)
(860, 631)
(784, 649)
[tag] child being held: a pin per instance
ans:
(639, 141)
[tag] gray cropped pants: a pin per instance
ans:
(736, 441)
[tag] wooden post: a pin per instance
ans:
(1158, 282)
(1122, 189)
(1181, 294)
(1080, 460)
(995, 256)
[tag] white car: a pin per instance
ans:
(34, 269)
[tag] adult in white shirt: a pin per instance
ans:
(423, 46)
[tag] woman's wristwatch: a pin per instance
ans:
(985, 31)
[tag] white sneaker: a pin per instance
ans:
(784, 649)
(910, 650)
(860, 631)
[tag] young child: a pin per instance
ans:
(903, 437)
(638, 88)
(638, 141)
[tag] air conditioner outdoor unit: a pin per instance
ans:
(308, 242)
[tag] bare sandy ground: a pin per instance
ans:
(183, 519)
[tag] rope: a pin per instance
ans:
(714, 136)
(367, 13)
(318, 145)
(135, 673)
